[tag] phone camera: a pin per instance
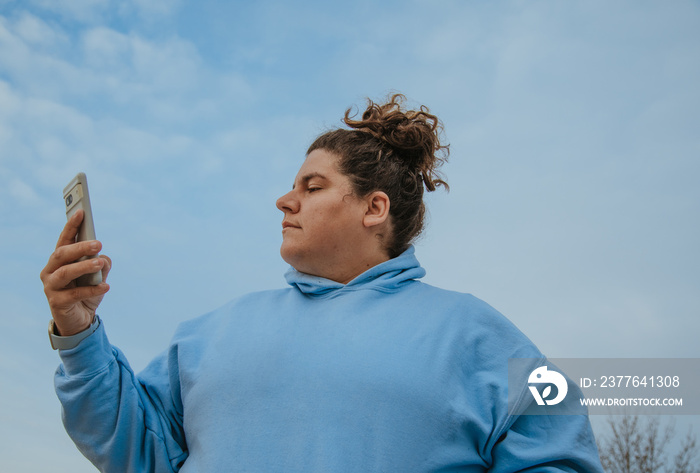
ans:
(69, 200)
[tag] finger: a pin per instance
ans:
(70, 253)
(64, 275)
(107, 266)
(63, 300)
(70, 230)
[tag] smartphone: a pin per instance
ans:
(77, 197)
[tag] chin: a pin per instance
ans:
(297, 259)
(291, 256)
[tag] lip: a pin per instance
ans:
(286, 225)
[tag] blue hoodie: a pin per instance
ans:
(384, 374)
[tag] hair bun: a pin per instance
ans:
(412, 135)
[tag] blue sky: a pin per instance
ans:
(574, 206)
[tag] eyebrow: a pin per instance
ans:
(310, 176)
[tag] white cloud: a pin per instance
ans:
(95, 11)
(80, 10)
(158, 8)
(23, 193)
(159, 68)
(106, 49)
(106, 98)
(35, 31)
(128, 74)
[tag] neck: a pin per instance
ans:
(356, 268)
(345, 265)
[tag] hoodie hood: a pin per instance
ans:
(387, 276)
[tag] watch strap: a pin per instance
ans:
(65, 343)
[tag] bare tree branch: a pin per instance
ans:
(634, 446)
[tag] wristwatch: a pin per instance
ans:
(65, 343)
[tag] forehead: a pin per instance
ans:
(318, 164)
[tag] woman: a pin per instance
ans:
(357, 366)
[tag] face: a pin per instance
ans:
(323, 220)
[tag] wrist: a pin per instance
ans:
(65, 342)
(63, 329)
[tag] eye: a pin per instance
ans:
(314, 189)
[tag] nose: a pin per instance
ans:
(288, 203)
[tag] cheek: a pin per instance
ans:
(323, 215)
(344, 222)
(333, 218)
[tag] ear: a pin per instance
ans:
(378, 204)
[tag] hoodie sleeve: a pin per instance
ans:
(522, 437)
(121, 422)
(551, 441)
(556, 443)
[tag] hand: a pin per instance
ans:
(73, 307)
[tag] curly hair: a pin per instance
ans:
(395, 151)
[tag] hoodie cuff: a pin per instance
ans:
(91, 355)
